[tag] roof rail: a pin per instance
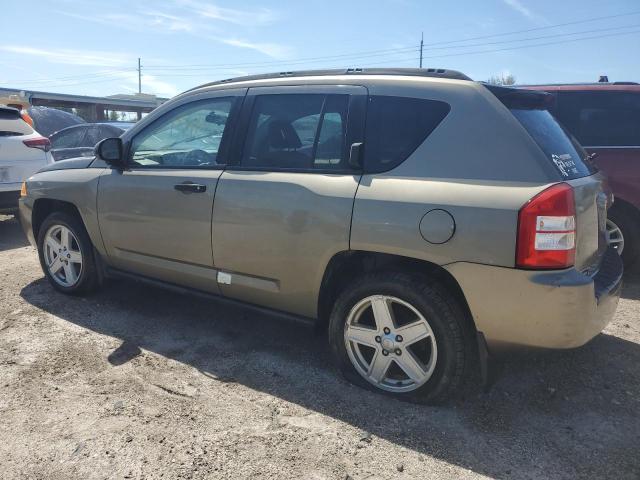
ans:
(412, 72)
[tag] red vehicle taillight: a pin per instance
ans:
(41, 142)
(547, 230)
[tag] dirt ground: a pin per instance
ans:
(135, 382)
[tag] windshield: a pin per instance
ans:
(566, 154)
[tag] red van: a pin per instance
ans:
(605, 118)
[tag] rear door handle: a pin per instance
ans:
(190, 187)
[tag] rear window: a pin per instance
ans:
(561, 149)
(396, 126)
(12, 125)
(601, 118)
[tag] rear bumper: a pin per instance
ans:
(552, 309)
(9, 200)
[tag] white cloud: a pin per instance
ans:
(271, 49)
(72, 56)
(520, 8)
(172, 22)
(258, 16)
(196, 18)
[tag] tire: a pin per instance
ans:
(83, 277)
(438, 377)
(630, 230)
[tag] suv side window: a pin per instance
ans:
(297, 131)
(69, 139)
(396, 126)
(601, 118)
(189, 136)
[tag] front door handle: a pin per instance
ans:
(190, 187)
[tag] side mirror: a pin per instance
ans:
(355, 155)
(110, 150)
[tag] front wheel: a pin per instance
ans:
(399, 335)
(66, 254)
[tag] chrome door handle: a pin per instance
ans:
(190, 187)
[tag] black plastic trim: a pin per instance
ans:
(307, 321)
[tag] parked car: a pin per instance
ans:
(23, 151)
(605, 118)
(47, 120)
(422, 218)
(80, 140)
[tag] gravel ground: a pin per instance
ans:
(136, 382)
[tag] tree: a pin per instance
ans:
(113, 116)
(502, 79)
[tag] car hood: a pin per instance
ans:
(71, 163)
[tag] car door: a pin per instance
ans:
(283, 205)
(155, 216)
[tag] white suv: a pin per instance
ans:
(23, 151)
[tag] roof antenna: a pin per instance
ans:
(603, 79)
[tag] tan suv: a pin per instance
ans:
(423, 218)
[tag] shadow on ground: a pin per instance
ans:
(559, 414)
(11, 235)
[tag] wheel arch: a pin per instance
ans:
(625, 206)
(346, 266)
(43, 207)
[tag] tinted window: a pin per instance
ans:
(69, 138)
(601, 118)
(396, 126)
(297, 131)
(565, 153)
(189, 136)
(100, 132)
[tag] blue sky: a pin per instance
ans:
(91, 47)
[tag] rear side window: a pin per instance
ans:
(71, 138)
(564, 152)
(297, 131)
(396, 126)
(602, 118)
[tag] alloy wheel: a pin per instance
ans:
(62, 255)
(390, 343)
(616, 239)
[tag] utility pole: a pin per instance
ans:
(421, 47)
(140, 74)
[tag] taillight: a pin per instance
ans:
(26, 117)
(41, 142)
(547, 230)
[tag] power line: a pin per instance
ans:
(415, 58)
(160, 72)
(555, 35)
(99, 73)
(593, 19)
(534, 45)
(389, 51)
(325, 57)
(163, 71)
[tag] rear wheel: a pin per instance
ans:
(624, 234)
(66, 254)
(399, 335)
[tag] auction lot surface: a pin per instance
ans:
(136, 382)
